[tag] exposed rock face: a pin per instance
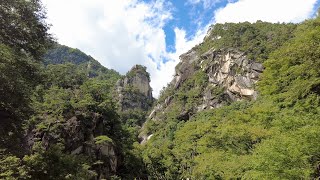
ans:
(78, 134)
(134, 91)
(185, 68)
(79, 130)
(232, 70)
(228, 70)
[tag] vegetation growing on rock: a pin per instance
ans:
(274, 137)
(225, 115)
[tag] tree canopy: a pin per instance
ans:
(24, 38)
(274, 137)
(23, 27)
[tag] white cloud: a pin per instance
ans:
(166, 70)
(205, 3)
(266, 10)
(119, 34)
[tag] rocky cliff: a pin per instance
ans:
(209, 80)
(95, 133)
(82, 134)
(134, 91)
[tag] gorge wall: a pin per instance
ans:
(206, 81)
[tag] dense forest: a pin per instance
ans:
(245, 104)
(273, 137)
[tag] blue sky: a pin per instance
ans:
(190, 17)
(154, 33)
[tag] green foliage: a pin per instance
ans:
(185, 99)
(133, 166)
(11, 167)
(56, 101)
(274, 137)
(68, 93)
(61, 54)
(102, 139)
(90, 103)
(54, 164)
(49, 164)
(23, 40)
(64, 75)
(281, 157)
(61, 58)
(138, 69)
(133, 117)
(23, 27)
(257, 40)
(19, 75)
(165, 93)
(292, 75)
(74, 87)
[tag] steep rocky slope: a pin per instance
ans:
(83, 135)
(244, 104)
(228, 76)
(223, 69)
(87, 115)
